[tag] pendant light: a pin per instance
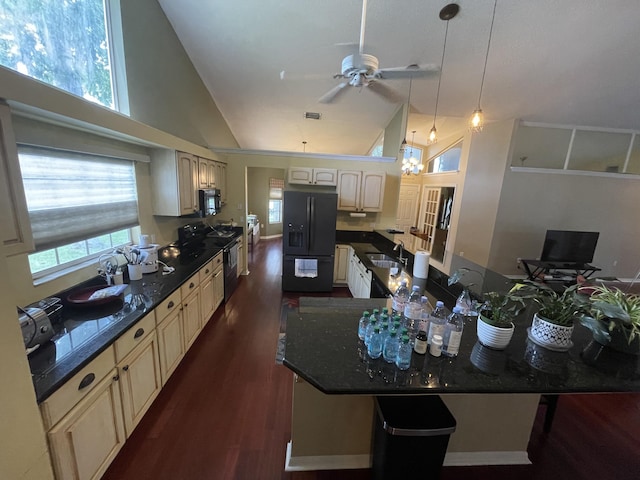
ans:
(477, 117)
(447, 13)
(403, 145)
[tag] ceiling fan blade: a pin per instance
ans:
(333, 93)
(387, 93)
(407, 72)
(292, 76)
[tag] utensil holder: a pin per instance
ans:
(135, 271)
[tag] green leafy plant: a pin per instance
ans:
(558, 308)
(499, 308)
(614, 309)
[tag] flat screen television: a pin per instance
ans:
(565, 246)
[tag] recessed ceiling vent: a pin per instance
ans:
(312, 115)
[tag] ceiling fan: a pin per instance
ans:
(362, 70)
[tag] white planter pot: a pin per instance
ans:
(493, 337)
(549, 335)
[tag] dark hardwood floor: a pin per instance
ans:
(225, 412)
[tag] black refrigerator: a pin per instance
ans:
(308, 241)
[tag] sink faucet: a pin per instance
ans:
(400, 246)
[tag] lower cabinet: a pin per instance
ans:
(341, 264)
(170, 343)
(140, 381)
(218, 286)
(191, 324)
(359, 277)
(87, 439)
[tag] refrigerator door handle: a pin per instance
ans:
(312, 220)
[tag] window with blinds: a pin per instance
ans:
(276, 186)
(80, 205)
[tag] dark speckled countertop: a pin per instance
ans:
(84, 332)
(322, 347)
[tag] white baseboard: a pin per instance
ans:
(325, 462)
(451, 459)
(467, 459)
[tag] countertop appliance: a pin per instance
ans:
(309, 240)
(35, 322)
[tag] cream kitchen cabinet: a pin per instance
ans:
(341, 264)
(218, 283)
(174, 180)
(360, 191)
(221, 181)
(170, 334)
(207, 294)
(191, 317)
(206, 173)
(14, 216)
(84, 421)
(139, 370)
(313, 176)
(359, 277)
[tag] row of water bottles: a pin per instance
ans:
(385, 337)
(436, 329)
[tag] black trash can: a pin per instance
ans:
(410, 437)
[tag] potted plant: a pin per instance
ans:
(552, 324)
(495, 318)
(614, 318)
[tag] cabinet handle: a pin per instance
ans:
(191, 285)
(170, 304)
(87, 380)
(206, 271)
(125, 368)
(116, 378)
(138, 333)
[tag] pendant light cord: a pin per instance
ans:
(444, 49)
(493, 17)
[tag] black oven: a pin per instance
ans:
(209, 202)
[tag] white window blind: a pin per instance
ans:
(72, 196)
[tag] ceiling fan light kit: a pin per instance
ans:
(476, 123)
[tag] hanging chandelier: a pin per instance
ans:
(477, 117)
(412, 165)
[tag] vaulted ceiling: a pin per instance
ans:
(556, 61)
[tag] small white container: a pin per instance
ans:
(135, 271)
(435, 348)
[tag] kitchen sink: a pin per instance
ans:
(384, 261)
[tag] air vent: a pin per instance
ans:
(312, 115)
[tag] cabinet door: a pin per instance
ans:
(300, 175)
(207, 299)
(14, 217)
(221, 180)
(140, 381)
(187, 181)
(191, 318)
(352, 274)
(87, 439)
(349, 190)
(203, 173)
(372, 191)
(170, 343)
(325, 176)
(341, 265)
(212, 178)
(218, 287)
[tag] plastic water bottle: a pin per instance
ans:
(413, 311)
(384, 332)
(403, 359)
(369, 332)
(363, 324)
(390, 348)
(453, 333)
(437, 321)
(400, 298)
(374, 349)
(423, 326)
(464, 302)
(376, 314)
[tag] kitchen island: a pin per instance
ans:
(494, 395)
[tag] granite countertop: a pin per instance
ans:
(322, 347)
(84, 332)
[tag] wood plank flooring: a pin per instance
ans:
(225, 412)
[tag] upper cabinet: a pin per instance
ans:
(175, 177)
(313, 176)
(14, 216)
(360, 191)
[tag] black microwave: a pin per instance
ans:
(209, 202)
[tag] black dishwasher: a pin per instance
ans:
(230, 258)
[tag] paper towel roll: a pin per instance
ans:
(421, 264)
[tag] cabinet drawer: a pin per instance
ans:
(168, 306)
(135, 335)
(206, 271)
(190, 285)
(217, 260)
(66, 397)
